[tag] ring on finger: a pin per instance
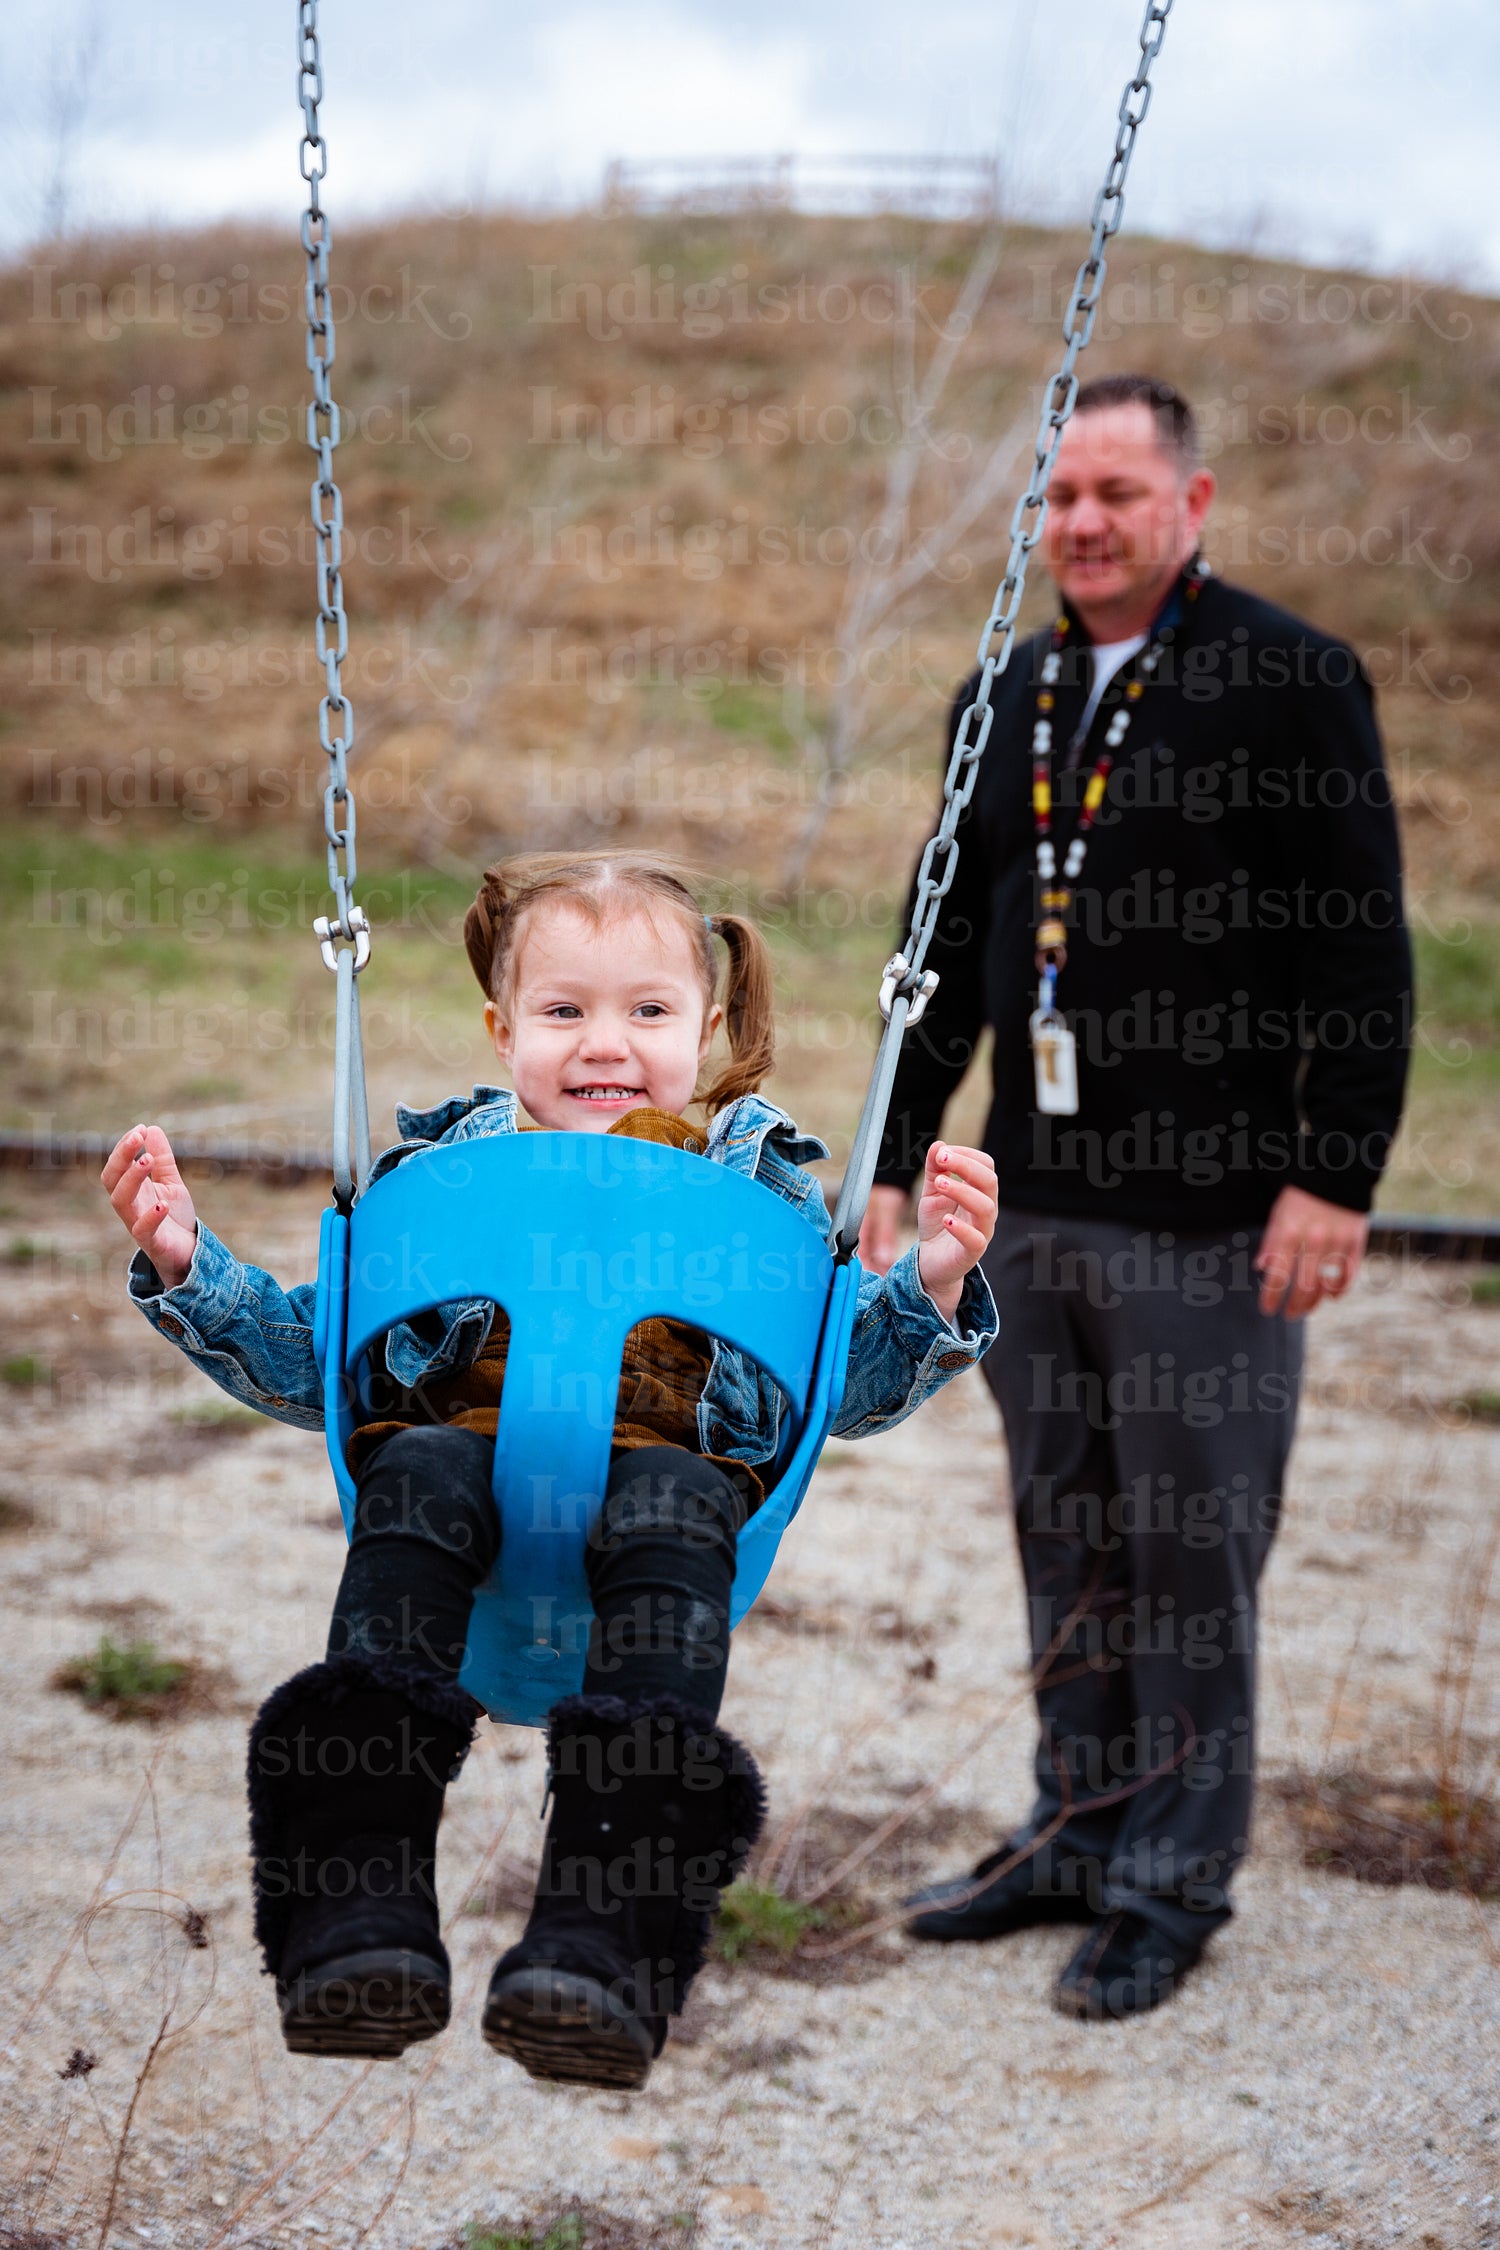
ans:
(1331, 1272)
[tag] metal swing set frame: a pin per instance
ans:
(648, 1231)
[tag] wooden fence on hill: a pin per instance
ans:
(955, 187)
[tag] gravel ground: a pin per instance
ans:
(1326, 2077)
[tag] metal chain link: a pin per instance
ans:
(906, 986)
(904, 975)
(343, 936)
(331, 628)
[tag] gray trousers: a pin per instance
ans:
(1149, 1408)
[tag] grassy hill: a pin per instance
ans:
(647, 538)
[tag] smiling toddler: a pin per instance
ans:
(601, 986)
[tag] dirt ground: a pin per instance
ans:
(1327, 2077)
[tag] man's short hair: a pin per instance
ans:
(1176, 424)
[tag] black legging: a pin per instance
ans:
(660, 1563)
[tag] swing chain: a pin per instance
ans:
(906, 985)
(904, 976)
(331, 630)
(343, 936)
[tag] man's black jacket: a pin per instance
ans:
(1238, 975)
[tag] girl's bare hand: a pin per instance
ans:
(955, 1220)
(143, 1183)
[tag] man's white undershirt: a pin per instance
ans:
(1108, 656)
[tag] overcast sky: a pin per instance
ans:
(1340, 130)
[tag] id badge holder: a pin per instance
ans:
(1054, 1052)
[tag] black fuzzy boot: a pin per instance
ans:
(348, 1765)
(654, 1810)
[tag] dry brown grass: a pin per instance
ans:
(1376, 1830)
(1360, 481)
(582, 2226)
(600, 639)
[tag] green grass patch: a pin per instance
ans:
(748, 709)
(585, 2227)
(174, 909)
(1458, 978)
(755, 1918)
(22, 1251)
(1476, 1406)
(1484, 1289)
(566, 2234)
(25, 1372)
(217, 1417)
(160, 880)
(156, 973)
(134, 1682)
(467, 507)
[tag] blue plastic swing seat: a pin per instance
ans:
(579, 1236)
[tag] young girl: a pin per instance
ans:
(599, 977)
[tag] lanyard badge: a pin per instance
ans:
(1054, 1054)
(1054, 1049)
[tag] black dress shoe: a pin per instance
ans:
(1123, 1967)
(988, 1905)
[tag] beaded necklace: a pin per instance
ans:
(1053, 1045)
(1056, 898)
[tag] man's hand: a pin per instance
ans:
(143, 1183)
(955, 1219)
(879, 1236)
(1310, 1250)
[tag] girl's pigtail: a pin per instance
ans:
(749, 1012)
(483, 928)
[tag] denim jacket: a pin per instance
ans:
(255, 1339)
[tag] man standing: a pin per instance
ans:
(1178, 904)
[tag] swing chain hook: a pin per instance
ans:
(898, 982)
(331, 625)
(329, 933)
